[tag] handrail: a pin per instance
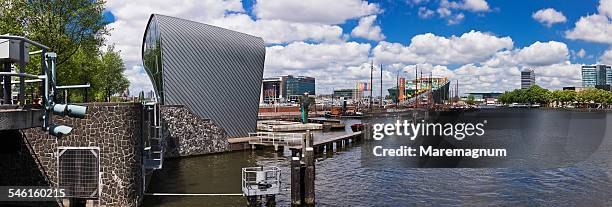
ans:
(11, 37)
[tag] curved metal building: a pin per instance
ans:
(215, 72)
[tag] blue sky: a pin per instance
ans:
(484, 43)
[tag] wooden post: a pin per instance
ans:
(309, 177)
(367, 132)
(296, 180)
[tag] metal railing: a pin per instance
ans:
(272, 138)
(22, 64)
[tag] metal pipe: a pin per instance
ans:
(35, 52)
(73, 86)
(26, 81)
(19, 74)
(11, 37)
(194, 194)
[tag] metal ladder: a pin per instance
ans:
(154, 148)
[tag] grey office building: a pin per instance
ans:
(527, 78)
(596, 75)
(215, 72)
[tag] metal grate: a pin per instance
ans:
(79, 172)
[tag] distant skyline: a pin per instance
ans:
(482, 43)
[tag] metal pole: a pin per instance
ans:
(398, 89)
(6, 89)
(430, 90)
(43, 66)
(381, 85)
(416, 81)
(22, 71)
(371, 82)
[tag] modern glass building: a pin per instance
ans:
(297, 86)
(215, 72)
(596, 75)
(286, 88)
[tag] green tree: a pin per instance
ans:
(471, 100)
(10, 17)
(75, 30)
(65, 25)
(537, 94)
(533, 94)
(111, 73)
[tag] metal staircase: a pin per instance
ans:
(153, 134)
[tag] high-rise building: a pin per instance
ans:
(527, 78)
(595, 75)
(286, 88)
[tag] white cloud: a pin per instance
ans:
(605, 7)
(446, 8)
(314, 11)
(456, 19)
(549, 16)
(367, 29)
(425, 13)
(559, 75)
(474, 78)
(416, 2)
(492, 68)
(606, 58)
(443, 12)
(468, 5)
(543, 53)
(595, 27)
(581, 53)
(326, 62)
(592, 28)
(139, 80)
(280, 31)
(307, 56)
(537, 54)
(473, 46)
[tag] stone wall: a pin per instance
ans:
(187, 134)
(30, 156)
(116, 130)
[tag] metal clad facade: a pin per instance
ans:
(215, 72)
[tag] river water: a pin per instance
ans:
(560, 168)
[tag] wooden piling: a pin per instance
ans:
(309, 177)
(367, 132)
(296, 180)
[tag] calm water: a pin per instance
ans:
(343, 180)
